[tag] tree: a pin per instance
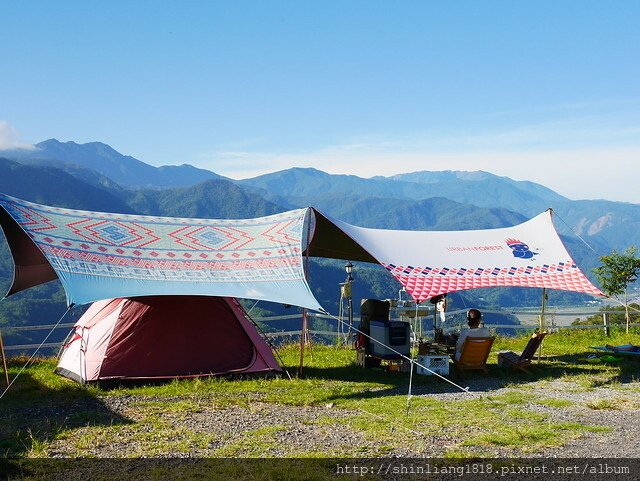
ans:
(617, 273)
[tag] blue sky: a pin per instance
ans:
(547, 91)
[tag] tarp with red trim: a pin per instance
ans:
(100, 255)
(429, 263)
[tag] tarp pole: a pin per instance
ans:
(542, 320)
(350, 304)
(435, 322)
(305, 327)
(4, 360)
(303, 335)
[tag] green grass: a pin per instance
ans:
(603, 404)
(45, 415)
(533, 437)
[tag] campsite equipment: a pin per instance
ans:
(372, 310)
(611, 359)
(626, 350)
(435, 348)
(379, 338)
(163, 337)
(404, 308)
(98, 255)
(390, 334)
(474, 354)
(523, 361)
(438, 364)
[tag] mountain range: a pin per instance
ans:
(94, 176)
(102, 159)
(615, 223)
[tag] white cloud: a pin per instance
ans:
(10, 138)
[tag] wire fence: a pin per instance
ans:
(330, 329)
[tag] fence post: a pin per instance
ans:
(606, 324)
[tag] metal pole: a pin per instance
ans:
(305, 328)
(542, 321)
(303, 336)
(4, 360)
(607, 332)
(350, 317)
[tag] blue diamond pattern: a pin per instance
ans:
(211, 238)
(115, 233)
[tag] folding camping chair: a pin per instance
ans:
(474, 354)
(523, 361)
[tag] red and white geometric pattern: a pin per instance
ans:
(426, 282)
(141, 247)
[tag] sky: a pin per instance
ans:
(547, 91)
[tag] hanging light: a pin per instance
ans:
(349, 268)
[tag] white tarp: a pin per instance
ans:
(99, 255)
(429, 263)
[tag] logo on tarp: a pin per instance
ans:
(520, 249)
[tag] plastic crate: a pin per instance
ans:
(436, 363)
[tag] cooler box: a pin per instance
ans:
(395, 334)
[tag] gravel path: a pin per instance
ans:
(622, 417)
(287, 430)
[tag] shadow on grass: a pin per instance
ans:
(35, 412)
(625, 371)
(551, 367)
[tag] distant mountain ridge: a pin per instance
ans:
(52, 186)
(387, 202)
(478, 188)
(436, 213)
(96, 177)
(212, 199)
(125, 170)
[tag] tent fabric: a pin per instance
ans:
(139, 339)
(31, 267)
(331, 242)
(100, 255)
(430, 263)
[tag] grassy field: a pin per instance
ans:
(505, 413)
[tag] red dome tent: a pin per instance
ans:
(138, 338)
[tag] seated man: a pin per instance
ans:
(474, 316)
